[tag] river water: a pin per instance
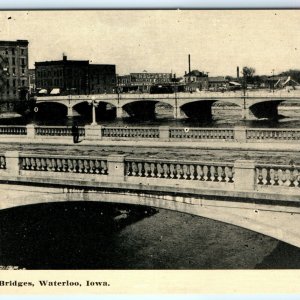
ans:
(101, 236)
(224, 116)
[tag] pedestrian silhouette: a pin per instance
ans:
(75, 133)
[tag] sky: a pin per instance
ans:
(160, 40)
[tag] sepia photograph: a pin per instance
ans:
(149, 140)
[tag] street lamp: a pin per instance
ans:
(94, 104)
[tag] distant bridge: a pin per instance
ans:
(253, 104)
(262, 198)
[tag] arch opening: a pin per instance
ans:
(50, 111)
(200, 110)
(268, 110)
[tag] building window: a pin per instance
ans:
(23, 71)
(14, 82)
(13, 61)
(13, 51)
(23, 82)
(6, 51)
(14, 71)
(23, 62)
(7, 83)
(22, 51)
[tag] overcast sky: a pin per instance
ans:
(160, 41)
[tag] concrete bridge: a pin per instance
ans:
(262, 198)
(253, 104)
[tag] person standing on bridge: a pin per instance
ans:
(75, 133)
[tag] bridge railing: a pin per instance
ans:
(271, 134)
(130, 132)
(13, 130)
(174, 169)
(56, 131)
(163, 133)
(264, 93)
(268, 175)
(240, 176)
(63, 163)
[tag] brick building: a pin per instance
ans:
(141, 82)
(75, 77)
(196, 80)
(13, 73)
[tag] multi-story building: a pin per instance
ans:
(13, 73)
(141, 82)
(31, 81)
(74, 77)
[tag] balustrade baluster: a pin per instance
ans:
(292, 178)
(268, 177)
(230, 174)
(166, 170)
(80, 166)
(199, 171)
(64, 165)
(159, 170)
(140, 169)
(260, 176)
(58, 165)
(147, 169)
(86, 166)
(28, 163)
(92, 166)
(104, 167)
(2, 162)
(32, 163)
(153, 170)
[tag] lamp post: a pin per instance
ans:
(244, 92)
(273, 83)
(94, 104)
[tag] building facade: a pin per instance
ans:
(13, 73)
(141, 82)
(74, 77)
(196, 81)
(31, 81)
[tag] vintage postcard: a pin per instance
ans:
(149, 151)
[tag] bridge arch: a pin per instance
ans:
(144, 109)
(104, 109)
(48, 109)
(282, 225)
(265, 109)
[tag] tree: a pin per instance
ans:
(248, 73)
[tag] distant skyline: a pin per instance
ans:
(160, 41)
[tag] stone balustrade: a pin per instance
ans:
(56, 131)
(54, 163)
(278, 175)
(190, 170)
(13, 130)
(202, 133)
(130, 132)
(163, 133)
(241, 175)
(270, 134)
